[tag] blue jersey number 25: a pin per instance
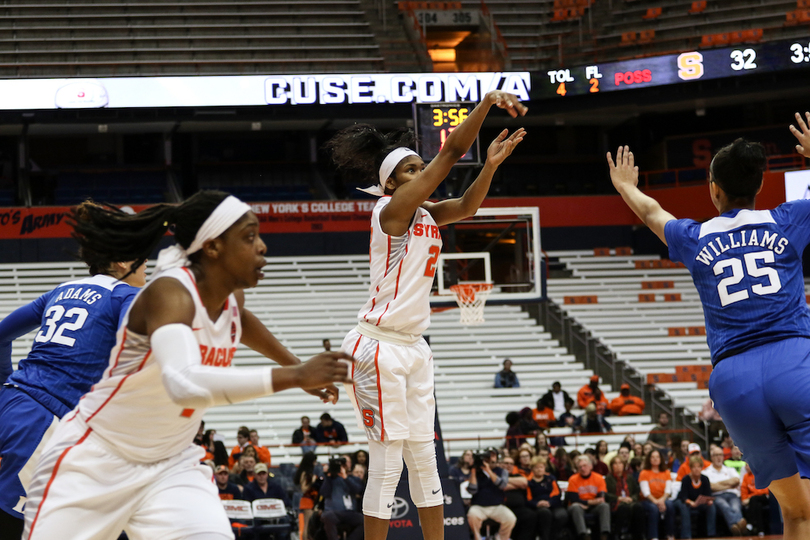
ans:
(738, 273)
(50, 332)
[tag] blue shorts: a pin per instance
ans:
(23, 424)
(763, 395)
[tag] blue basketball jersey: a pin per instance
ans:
(747, 267)
(72, 348)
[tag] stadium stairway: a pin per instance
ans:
(304, 300)
(646, 312)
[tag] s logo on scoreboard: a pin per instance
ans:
(690, 66)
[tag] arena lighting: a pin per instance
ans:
(257, 90)
(442, 55)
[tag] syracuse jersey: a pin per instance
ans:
(747, 267)
(402, 271)
(130, 410)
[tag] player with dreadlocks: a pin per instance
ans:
(124, 457)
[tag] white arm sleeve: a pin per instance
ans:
(190, 384)
(645, 488)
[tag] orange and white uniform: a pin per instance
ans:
(393, 372)
(124, 457)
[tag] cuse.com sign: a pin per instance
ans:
(257, 90)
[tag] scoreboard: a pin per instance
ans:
(435, 121)
(672, 69)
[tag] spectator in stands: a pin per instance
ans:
(264, 487)
(516, 500)
(567, 418)
(622, 496)
(327, 345)
(359, 471)
(242, 440)
(598, 466)
(726, 491)
(304, 436)
(514, 433)
(361, 458)
(544, 497)
(541, 442)
(562, 465)
(676, 456)
(638, 450)
(626, 405)
(330, 431)
(754, 502)
(528, 426)
(601, 455)
(309, 483)
(487, 485)
(339, 492)
(244, 470)
(727, 444)
(586, 495)
(713, 420)
(655, 482)
(544, 413)
(657, 437)
(590, 393)
(735, 461)
(557, 398)
(592, 421)
(523, 465)
(262, 452)
(221, 454)
(228, 491)
(695, 499)
(506, 378)
(460, 472)
(685, 468)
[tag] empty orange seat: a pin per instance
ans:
(792, 17)
(722, 39)
(624, 250)
(802, 4)
(646, 36)
(735, 37)
(560, 15)
(698, 7)
(601, 252)
(804, 15)
(674, 297)
(752, 35)
(629, 37)
(646, 298)
(707, 40)
(657, 284)
(584, 299)
(653, 13)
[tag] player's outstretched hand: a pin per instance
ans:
(502, 146)
(320, 373)
(508, 102)
(624, 172)
(802, 134)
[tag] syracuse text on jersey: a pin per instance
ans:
(742, 238)
(217, 356)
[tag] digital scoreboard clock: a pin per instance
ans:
(435, 121)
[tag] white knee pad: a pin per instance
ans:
(423, 475)
(384, 471)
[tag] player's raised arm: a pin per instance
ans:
(624, 175)
(453, 210)
(409, 196)
(802, 134)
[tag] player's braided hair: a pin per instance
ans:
(737, 169)
(360, 149)
(107, 234)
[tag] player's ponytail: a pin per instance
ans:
(107, 234)
(360, 149)
(737, 169)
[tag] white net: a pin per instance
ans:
(471, 298)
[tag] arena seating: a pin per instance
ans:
(306, 300)
(646, 311)
(70, 39)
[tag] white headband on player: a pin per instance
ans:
(224, 215)
(388, 165)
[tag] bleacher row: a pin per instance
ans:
(646, 311)
(304, 300)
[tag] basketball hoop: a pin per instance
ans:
(471, 298)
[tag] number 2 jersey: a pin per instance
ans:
(70, 351)
(402, 271)
(747, 267)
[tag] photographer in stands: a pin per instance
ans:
(339, 492)
(487, 485)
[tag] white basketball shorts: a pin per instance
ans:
(393, 388)
(82, 490)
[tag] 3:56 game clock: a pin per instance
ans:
(435, 121)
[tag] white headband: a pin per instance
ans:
(224, 215)
(388, 165)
